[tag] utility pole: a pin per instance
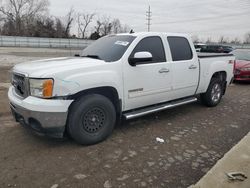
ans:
(148, 17)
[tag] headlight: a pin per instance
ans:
(41, 87)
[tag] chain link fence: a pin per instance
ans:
(36, 42)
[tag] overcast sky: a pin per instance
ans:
(230, 18)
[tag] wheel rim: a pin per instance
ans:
(93, 120)
(216, 92)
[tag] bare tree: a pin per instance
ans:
(103, 26)
(223, 40)
(21, 12)
(247, 38)
(208, 40)
(98, 26)
(125, 29)
(106, 26)
(59, 27)
(195, 38)
(31, 18)
(236, 40)
(1, 20)
(97, 29)
(69, 22)
(116, 24)
(117, 27)
(83, 21)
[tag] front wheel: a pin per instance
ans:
(91, 119)
(214, 93)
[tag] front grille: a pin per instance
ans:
(19, 83)
(245, 76)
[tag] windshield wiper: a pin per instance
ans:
(92, 56)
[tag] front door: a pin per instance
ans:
(147, 83)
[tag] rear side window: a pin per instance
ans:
(180, 48)
(154, 46)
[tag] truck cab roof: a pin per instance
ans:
(145, 34)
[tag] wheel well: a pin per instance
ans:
(222, 75)
(107, 91)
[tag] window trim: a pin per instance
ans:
(192, 54)
(151, 62)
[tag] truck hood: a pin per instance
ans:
(48, 67)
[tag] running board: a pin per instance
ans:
(152, 109)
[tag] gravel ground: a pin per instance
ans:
(10, 56)
(196, 137)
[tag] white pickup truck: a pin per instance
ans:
(118, 76)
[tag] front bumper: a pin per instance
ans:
(45, 116)
(242, 77)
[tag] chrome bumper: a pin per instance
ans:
(47, 123)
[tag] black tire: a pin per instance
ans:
(214, 93)
(91, 119)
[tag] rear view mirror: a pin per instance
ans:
(140, 57)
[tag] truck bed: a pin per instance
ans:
(214, 62)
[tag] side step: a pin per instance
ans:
(152, 109)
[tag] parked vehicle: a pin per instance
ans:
(227, 49)
(242, 65)
(198, 46)
(216, 49)
(212, 49)
(118, 76)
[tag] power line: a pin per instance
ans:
(148, 17)
(205, 18)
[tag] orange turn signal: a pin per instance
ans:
(47, 88)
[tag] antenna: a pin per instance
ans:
(149, 17)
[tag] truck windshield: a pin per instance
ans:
(109, 48)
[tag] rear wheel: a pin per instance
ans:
(91, 119)
(214, 93)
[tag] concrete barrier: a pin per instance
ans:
(36, 42)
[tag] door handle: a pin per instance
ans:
(163, 70)
(192, 67)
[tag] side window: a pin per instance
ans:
(180, 48)
(153, 45)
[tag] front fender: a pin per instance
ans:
(87, 80)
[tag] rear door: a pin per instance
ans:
(185, 67)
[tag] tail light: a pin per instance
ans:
(237, 71)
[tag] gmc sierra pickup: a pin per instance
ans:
(118, 76)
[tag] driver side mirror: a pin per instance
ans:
(140, 57)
